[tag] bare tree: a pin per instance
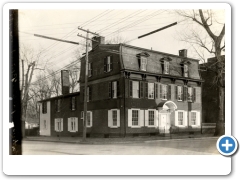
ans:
(211, 40)
(74, 73)
(29, 61)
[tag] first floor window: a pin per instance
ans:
(193, 118)
(151, 118)
(73, 124)
(114, 117)
(180, 118)
(45, 124)
(135, 117)
(58, 124)
(89, 118)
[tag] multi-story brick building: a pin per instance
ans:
(134, 91)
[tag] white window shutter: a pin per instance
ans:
(146, 118)
(91, 119)
(129, 118)
(185, 118)
(141, 118)
(198, 118)
(156, 118)
(176, 118)
(118, 118)
(55, 127)
(190, 120)
(61, 124)
(76, 124)
(69, 124)
(109, 118)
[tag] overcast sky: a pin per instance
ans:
(110, 23)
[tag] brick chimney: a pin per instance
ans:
(100, 39)
(183, 53)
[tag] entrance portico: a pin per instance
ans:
(165, 110)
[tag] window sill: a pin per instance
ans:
(88, 126)
(114, 127)
(135, 126)
(73, 131)
(179, 100)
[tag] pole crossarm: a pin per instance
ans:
(86, 38)
(165, 27)
(88, 31)
(56, 39)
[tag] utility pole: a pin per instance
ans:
(86, 81)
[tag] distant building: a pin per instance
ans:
(131, 91)
(210, 93)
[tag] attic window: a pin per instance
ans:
(185, 68)
(142, 57)
(165, 62)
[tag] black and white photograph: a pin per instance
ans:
(119, 80)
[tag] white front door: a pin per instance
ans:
(164, 122)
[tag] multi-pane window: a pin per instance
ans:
(89, 69)
(180, 118)
(114, 117)
(135, 89)
(150, 90)
(58, 124)
(44, 107)
(73, 124)
(185, 70)
(89, 118)
(151, 118)
(166, 67)
(179, 93)
(190, 94)
(164, 91)
(193, 118)
(143, 61)
(134, 117)
(108, 64)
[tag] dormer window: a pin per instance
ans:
(185, 68)
(165, 62)
(142, 57)
(143, 65)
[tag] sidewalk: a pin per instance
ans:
(126, 140)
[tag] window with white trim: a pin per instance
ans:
(143, 62)
(150, 90)
(193, 118)
(151, 118)
(58, 124)
(185, 70)
(179, 93)
(135, 118)
(164, 91)
(114, 118)
(180, 118)
(89, 118)
(73, 124)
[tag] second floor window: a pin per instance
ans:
(113, 89)
(150, 90)
(89, 94)
(134, 89)
(108, 64)
(190, 94)
(164, 91)
(89, 69)
(73, 103)
(44, 107)
(143, 65)
(179, 93)
(58, 105)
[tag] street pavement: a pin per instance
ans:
(114, 146)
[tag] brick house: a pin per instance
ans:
(133, 91)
